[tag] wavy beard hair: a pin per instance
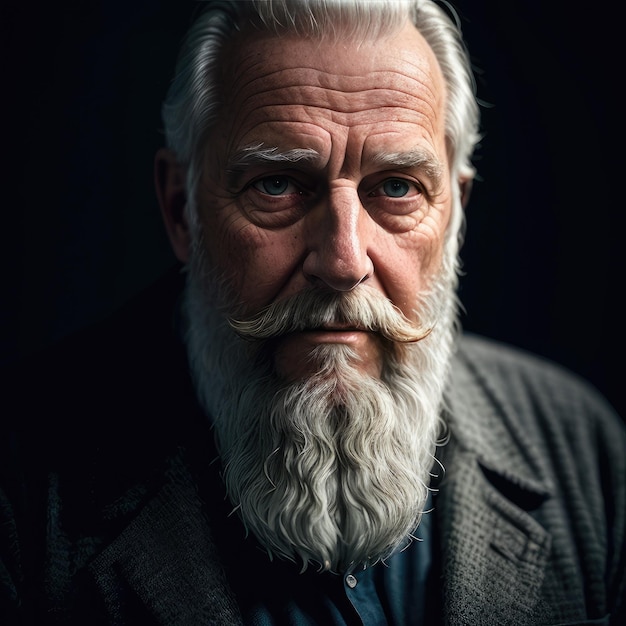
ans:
(332, 470)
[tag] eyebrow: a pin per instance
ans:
(259, 154)
(416, 158)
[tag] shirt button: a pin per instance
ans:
(351, 581)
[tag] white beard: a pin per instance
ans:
(333, 470)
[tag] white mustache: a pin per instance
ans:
(362, 308)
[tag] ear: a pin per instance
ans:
(169, 179)
(465, 185)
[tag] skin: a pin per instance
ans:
(350, 213)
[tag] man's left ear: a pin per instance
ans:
(465, 185)
(171, 190)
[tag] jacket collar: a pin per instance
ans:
(485, 420)
(494, 553)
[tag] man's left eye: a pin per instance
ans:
(395, 188)
(275, 185)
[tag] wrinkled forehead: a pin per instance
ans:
(269, 78)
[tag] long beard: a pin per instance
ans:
(332, 470)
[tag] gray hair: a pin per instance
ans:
(193, 99)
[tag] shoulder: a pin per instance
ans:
(509, 370)
(536, 401)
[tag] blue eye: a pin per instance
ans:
(396, 188)
(273, 185)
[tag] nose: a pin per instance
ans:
(338, 243)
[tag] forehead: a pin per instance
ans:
(290, 90)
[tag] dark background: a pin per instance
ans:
(544, 262)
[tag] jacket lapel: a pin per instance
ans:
(494, 554)
(167, 559)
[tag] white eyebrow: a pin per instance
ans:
(259, 154)
(416, 158)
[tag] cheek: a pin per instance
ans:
(256, 262)
(430, 238)
(224, 238)
(406, 263)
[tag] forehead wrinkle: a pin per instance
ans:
(406, 68)
(367, 84)
(240, 83)
(248, 76)
(322, 90)
(360, 114)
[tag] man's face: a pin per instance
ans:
(325, 194)
(328, 168)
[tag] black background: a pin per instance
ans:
(544, 262)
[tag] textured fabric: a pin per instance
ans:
(108, 493)
(535, 492)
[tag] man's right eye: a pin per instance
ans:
(276, 186)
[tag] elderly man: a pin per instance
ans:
(303, 436)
